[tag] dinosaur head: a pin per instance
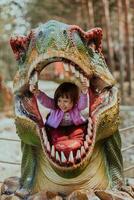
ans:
(81, 52)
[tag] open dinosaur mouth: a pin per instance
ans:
(69, 149)
(73, 147)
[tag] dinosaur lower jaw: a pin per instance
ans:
(71, 150)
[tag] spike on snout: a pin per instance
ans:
(92, 36)
(20, 44)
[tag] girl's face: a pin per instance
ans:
(65, 104)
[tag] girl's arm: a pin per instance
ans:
(84, 96)
(42, 97)
(45, 100)
(83, 101)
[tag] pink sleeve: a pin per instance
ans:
(83, 101)
(45, 100)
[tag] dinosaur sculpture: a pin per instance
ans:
(95, 169)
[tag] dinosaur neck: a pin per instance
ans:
(47, 177)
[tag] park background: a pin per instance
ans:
(115, 17)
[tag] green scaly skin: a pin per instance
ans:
(50, 42)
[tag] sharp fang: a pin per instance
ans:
(78, 155)
(44, 137)
(77, 74)
(44, 132)
(57, 156)
(86, 145)
(82, 151)
(66, 67)
(63, 158)
(89, 126)
(72, 69)
(90, 133)
(34, 78)
(48, 147)
(71, 158)
(88, 139)
(90, 120)
(53, 151)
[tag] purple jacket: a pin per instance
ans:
(56, 115)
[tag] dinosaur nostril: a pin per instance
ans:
(64, 32)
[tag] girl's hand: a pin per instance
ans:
(84, 86)
(33, 89)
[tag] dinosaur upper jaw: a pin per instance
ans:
(81, 63)
(71, 153)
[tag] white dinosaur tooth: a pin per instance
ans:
(90, 133)
(53, 151)
(86, 145)
(45, 140)
(63, 158)
(78, 155)
(34, 78)
(71, 157)
(48, 147)
(44, 132)
(57, 156)
(88, 139)
(83, 152)
(44, 137)
(66, 67)
(90, 120)
(90, 126)
(77, 73)
(72, 69)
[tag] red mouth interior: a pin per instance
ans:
(67, 139)
(65, 146)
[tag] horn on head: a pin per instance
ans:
(95, 36)
(20, 44)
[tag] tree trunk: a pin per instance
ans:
(87, 12)
(122, 60)
(90, 13)
(84, 14)
(129, 51)
(108, 34)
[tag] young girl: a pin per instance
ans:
(65, 120)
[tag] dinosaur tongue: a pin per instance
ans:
(68, 145)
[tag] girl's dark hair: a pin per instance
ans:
(68, 90)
